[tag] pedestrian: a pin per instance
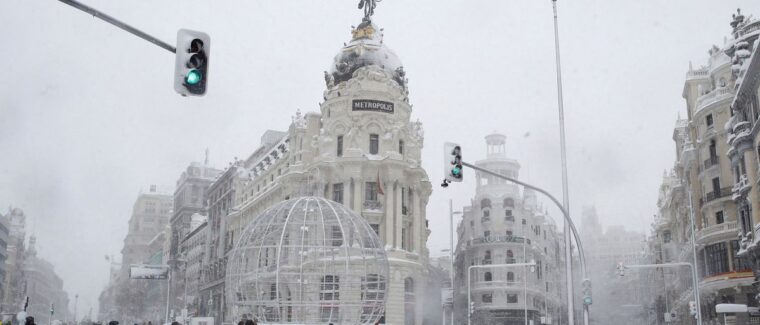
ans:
(29, 320)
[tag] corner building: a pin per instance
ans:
(504, 226)
(361, 150)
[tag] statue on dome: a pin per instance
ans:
(369, 8)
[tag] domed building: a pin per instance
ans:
(362, 150)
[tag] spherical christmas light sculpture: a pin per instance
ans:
(308, 261)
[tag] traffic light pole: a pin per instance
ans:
(568, 222)
(113, 21)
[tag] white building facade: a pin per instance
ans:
(361, 149)
(506, 226)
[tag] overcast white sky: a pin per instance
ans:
(88, 115)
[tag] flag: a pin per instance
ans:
(379, 184)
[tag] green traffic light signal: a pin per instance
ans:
(456, 171)
(587, 300)
(193, 77)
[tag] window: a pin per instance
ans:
(374, 144)
(487, 257)
(375, 228)
(485, 203)
(718, 217)
(340, 146)
(510, 277)
(370, 191)
(547, 286)
(373, 292)
(409, 301)
(709, 120)
(666, 236)
(509, 202)
(486, 233)
(338, 192)
(717, 259)
(508, 216)
(273, 291)
(487, 298)
(487, 277)
(510, 257)
(486, 216)
(330, 288)
(509, 233)
(401, 146)
(337, 236)
(512, 298)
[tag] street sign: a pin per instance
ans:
(149, 272)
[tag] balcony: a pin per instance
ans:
(497, 239)
(723, 192)
(371, 205)
(713, 96)
(727, 229)
(712, 161)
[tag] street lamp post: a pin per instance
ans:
(568, 222)
(531, 264)
(451, 253)
(525, 272)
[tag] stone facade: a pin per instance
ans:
(361, 149)
(505, 226)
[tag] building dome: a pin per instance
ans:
(308, 261)
(366, 48)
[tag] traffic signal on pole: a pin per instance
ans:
(587, 292)
(692, 308)
(472, 307)
(191, 62)
(452, 162)
(620, 269)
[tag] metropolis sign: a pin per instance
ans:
(371, 105)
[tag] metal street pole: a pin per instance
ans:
(692, 269)
(451, 253)
(568, 222)
(168, 293)
(565, 195)
(488, 266)
(76, 297)
(525, 273)
(694, 255)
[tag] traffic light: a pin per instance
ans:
(191, 62)
(692, 308)
(452, 162)
(620, 269)
(587, 292)
(472, 307)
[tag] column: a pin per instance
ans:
(358, 197)
(388, 212)
(397, 213)
(418, 220)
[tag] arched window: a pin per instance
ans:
(485, 203)
(509, 202)
(510, 277)
(409, 301)
(487, 277)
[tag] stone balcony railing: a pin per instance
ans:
(373, 205)
(712, 97)
(705, 234)
(497, 239)
(741, 187)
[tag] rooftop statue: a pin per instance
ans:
(369, 8)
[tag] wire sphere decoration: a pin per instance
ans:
(308, 260)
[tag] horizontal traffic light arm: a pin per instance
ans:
(565, 213)
(113, 21)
